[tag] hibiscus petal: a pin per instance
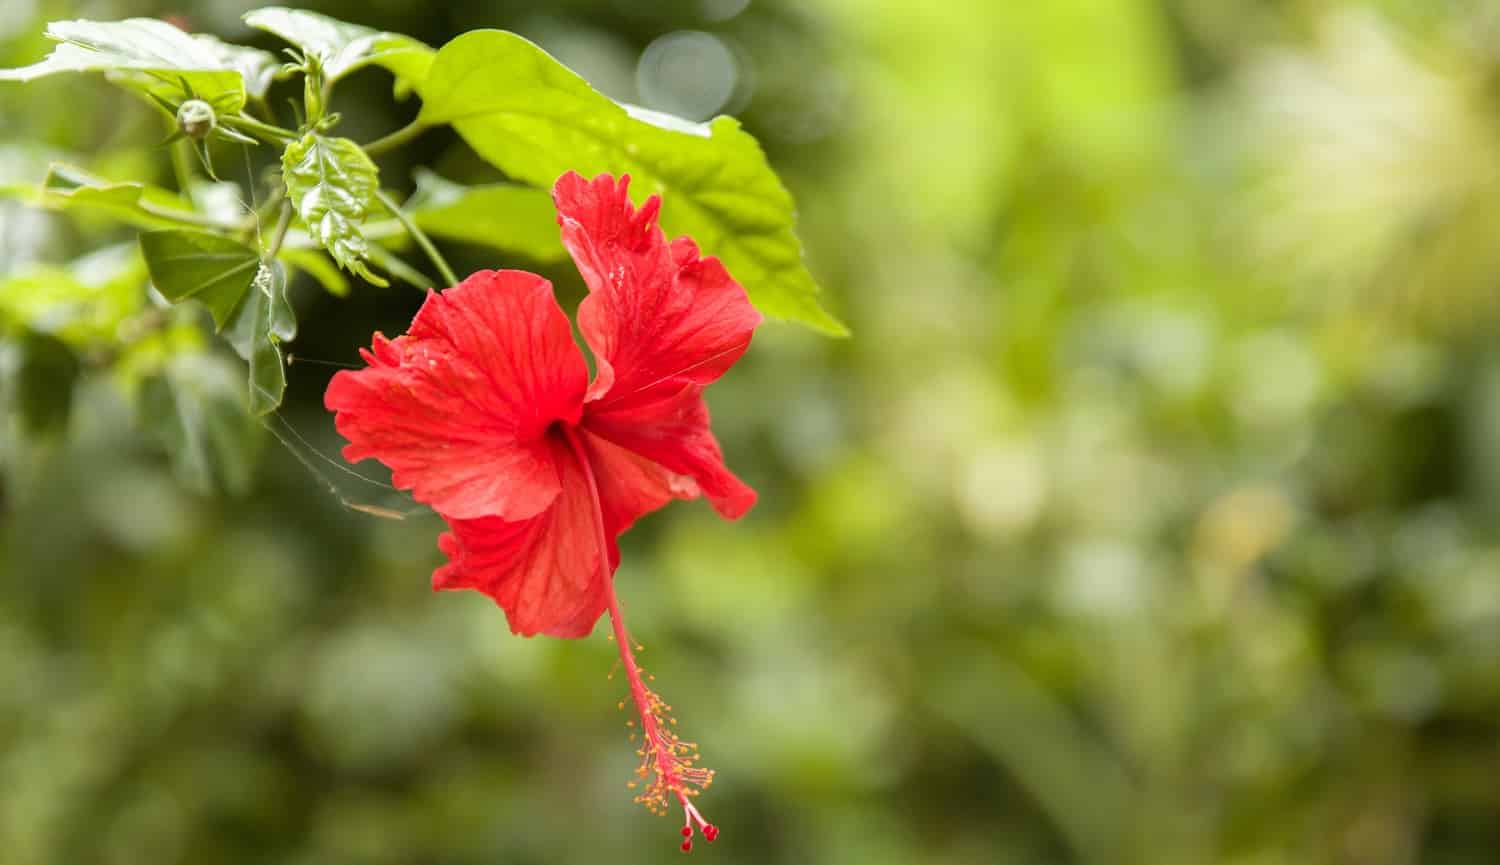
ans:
(544, 571)
(657, 316)
(674, 433)
(459, 407)
(630, 486)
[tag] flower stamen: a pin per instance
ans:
(668, 768)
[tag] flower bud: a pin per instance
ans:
(196, 119)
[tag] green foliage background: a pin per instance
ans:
(1150, 516)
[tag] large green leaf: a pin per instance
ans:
(535, 119)
(195, 409)
(332, 184)
(341, 48)
(214, 270)
(261, 323)
(145, 53)
(258, 68)
(505, 216)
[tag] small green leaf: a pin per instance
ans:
(261, 323)
(341, 48)
(316, 265)
(68, 188)
(534, 119)
(395, 266)
(44, 382)
(504, 216)
(332, 184)
(195, 409)
(144, 53)
(209, 268)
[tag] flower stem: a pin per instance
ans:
(265, 131)
(283, 222)
(395, 139)
(419, 236)
(182, 168)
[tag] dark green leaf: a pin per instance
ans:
(341, 48)
(209, 268)
(534, 119)
(44, 383)
(504, 216)
(332, 184)
(145, 53)
(195, 408)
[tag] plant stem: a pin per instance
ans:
(264, 131)
(395, 139)
(419, 236)
(282, 224)
(182, 168)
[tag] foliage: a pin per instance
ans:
(331, 186)
(1152, 516)
(535, 119)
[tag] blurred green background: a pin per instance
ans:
(1152, 515)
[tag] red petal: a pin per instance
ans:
(544, 571)
(657, 317)
(630, 486)
(459, 406)
(674, 433)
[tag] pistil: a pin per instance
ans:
(668, 767)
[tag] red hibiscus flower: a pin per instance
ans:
(484, 411)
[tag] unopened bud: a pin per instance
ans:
(196, 119)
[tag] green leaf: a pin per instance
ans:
(392, 264)
(195, 409)
(83, 305)
(145, 53)
(534, 119)
(504, 216)
(332, 184)
(316, 265)
(341, 48)
(257, 68)
(209, 268)
(68, 188)
(44, 382)
(263, 321)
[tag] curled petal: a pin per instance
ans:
(657, 317)
(543, 571)
(459, 407)
(674, 433)
(630, 486)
